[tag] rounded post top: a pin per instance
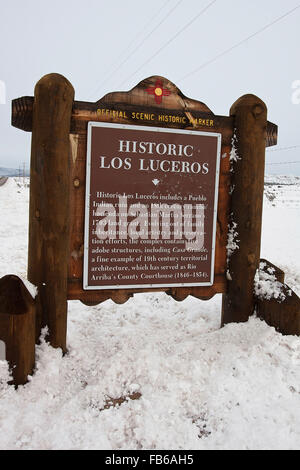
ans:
(15, 299)
(255, 104)
(54, 81)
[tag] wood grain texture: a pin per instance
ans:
(282, 314)
(48, 251)
(278, 273)
(247, 180)
(136, 101)
(17, 327)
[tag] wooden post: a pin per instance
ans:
(281, 312)
(17, 327)
(247, 185)
(49, 204)
(278, 273)
(284, 315)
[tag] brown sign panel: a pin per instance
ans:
(151, 207)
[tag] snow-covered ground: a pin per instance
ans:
(192, 385)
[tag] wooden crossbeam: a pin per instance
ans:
(82, 112)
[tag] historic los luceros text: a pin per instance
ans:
(150, 207)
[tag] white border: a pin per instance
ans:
(92, 124)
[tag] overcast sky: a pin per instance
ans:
(103, 46)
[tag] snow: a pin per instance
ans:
(234, 156)
(281, 229)
(266, 285)
(197, 386)
(232, 242)
(32, 289)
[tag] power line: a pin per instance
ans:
(283, 149)
(146, 26)
(284, 163)
(142, 42)
(171, 40)
(205, 64)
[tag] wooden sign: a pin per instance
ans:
(139, 107)
(151, 207)
(232, 186)
(145, 190)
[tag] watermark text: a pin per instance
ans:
(296, 92)
(2, 92)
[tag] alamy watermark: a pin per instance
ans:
(296, 92)
(2, 92)
(151, 222)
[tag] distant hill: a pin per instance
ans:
(12, 172)
(270, 180)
